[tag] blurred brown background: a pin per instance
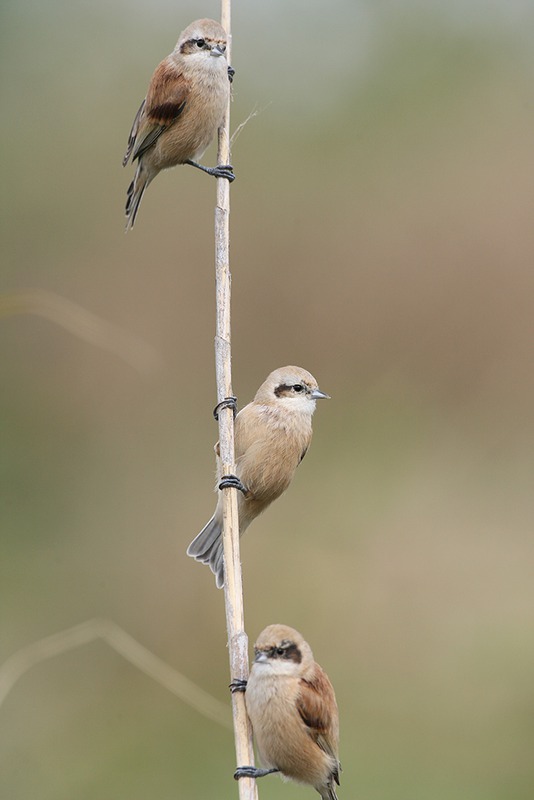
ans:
(382, 237)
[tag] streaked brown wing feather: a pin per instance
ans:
(150, 136)
(133, 134)
(166, 94)
(165, 101)
(316, 704)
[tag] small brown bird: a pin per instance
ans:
(184, 106)
(292, 707)
(272, 436)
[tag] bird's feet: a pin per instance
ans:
(232, 482)
(223, 171)
(220, 171)
(252, 772)
(231, 73)
(228, 402)
(238, 685)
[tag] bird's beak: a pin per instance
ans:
(217, 50)
(318, 395)
(260, 658)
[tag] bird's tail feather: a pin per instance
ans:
(135, 194)
(207, 547)
(328, 792)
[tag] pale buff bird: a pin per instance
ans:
(292, 707)
(272, 435)
(184, 106)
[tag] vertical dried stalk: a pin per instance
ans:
(233, 589)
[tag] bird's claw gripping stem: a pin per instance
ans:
(232, 482)
(252, 772)
(227, 402)
(238, 685)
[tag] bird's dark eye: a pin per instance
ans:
(298, 387)
(201, 42)
(280, 651)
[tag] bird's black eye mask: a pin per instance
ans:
(287, 651)
(287, 389)
(195, 44)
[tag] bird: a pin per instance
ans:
(184, 106)
(272, 436)
(292, 707)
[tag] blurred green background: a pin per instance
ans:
(382, 237)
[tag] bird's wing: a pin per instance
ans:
(165, 101)
(133, 134)
(252, 425)
(256, 462)
(316, 704)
